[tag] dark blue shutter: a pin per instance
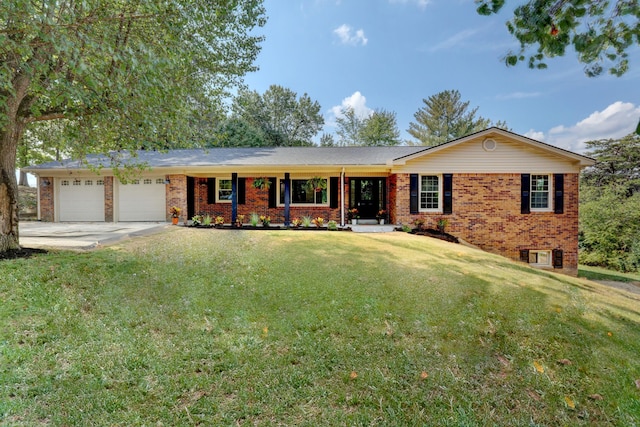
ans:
(211, 190)
(333, 190)
(447, 204)
(242, 191)
(525, 188)
(558, 187)
(413, 193)
(273, 193)
(557, 258)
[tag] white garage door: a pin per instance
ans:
(142, 200)
(81, 199)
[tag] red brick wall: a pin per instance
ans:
(486, 213)
(257, 200)
(176, 195)
(108, 198)
(47, 204)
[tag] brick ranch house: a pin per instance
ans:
(500, 191)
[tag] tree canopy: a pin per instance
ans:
(444, 117)
(132, 74)
(610, 204)
(600, 32)
(379, 128)
(281, 117)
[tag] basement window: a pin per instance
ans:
(540, 258)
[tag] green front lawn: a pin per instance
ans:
(223, 327)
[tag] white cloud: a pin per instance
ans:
(422, 4)
(455, 40)
(357, 101)
(518, 95)
(347, 36)
(617, 120)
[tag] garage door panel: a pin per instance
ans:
(81, 199)
(142, 200)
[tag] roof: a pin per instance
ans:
(292, 156)
(262, 156)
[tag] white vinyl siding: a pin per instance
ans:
(508, 157)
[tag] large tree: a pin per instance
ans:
(610, 204)
(123, 74)
(600, 31)
(379, 128)
(444, 117)
(282, 117)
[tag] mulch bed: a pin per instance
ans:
(436, 234)
(20, 253)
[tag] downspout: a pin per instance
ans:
(342, 198)
(38, 183)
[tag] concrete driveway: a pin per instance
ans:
(82, 235)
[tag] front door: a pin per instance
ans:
(368, 195)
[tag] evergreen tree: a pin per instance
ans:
(445, 117)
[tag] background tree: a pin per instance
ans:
(236, 132)
(445, 117)
(379, 128)
(610, 205)
(122, 74)
(282, 117)
(601, 32)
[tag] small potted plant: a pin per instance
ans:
(265, 220)
(353, 215)
(263, 183)
(316, 184)
(239, 221)
(381, 216)
(306, 221)
(319, 222)
(206, 221)
(296, 223)
(219, 221)
(174, 211)
(332, 226)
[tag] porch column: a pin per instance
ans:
(234, 197)
(287, 199)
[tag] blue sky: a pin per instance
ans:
(392, 54)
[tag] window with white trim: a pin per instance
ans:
(301, 194)
(159, 181)
(148, 181)
(88, 182)
(430, 192)
(64, 182)
(224, 190)
(100, 182)
(540, 192)
(540, 258)
(77, 182)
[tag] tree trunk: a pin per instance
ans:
(24, 180)
(8, 197)
(9, 137)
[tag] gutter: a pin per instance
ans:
(342, 198)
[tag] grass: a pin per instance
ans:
(223, 327)
(597, 273)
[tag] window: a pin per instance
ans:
(301, 194)
(77, 182)
(540, 258)
(148, 181)
(540, 190)
(100, 182)
(135, 182)
(88, 182)
(430, 193)
(224, 190)
(159, 181)
(64, 182)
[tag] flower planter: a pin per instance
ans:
(174, 220)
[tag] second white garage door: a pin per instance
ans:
(143, 199)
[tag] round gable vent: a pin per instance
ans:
(489, 144)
